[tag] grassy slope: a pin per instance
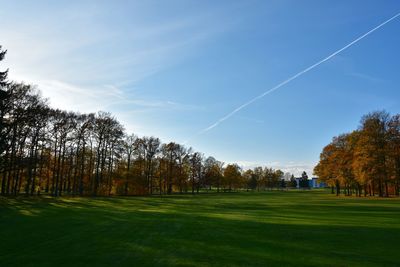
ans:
(243, 229)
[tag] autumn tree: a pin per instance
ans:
(250, 179)
(371, 151)
(129, 148)
(213, 172)
(259, 176)
(232, 176)
(366, 159)
(394, 152)
(151, 147)
(195, 160)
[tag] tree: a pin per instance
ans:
(170, 154)
(292, 183)
(282, 183)
(129, 148)
(345, 146)
(366, 159)
(304, 180)
(4, 95)
(232, 177)
(394, 152)
(278, 180)
(251, 179)
(151, 149)
(3, 74)
(107, 132)
(259, 175)
(195, 160)
(213, 172)
(371, 151)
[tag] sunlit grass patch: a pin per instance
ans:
(291, 228)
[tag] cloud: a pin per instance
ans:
(295, 168)
(92, 99)
(68, 96)
(367, 77)
(85, 58)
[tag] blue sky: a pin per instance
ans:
(173, 68)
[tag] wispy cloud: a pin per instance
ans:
(77, 98)
(367, 77)
(91, 99)
(82, 60)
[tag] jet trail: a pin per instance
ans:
(218, 122)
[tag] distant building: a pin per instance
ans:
(312, 183)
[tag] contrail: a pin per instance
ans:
(233, 112)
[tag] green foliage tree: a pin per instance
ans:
(292, 183)
(304, 180)
(282, 184)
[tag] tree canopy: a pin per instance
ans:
(366, 159)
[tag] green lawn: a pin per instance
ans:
(234, 229)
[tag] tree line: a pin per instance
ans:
(365, 161)
(52, 151)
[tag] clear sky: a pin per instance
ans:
(173, 68)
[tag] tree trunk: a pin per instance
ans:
(337, 188)
(83, 169)
(34, 171)
(386, 189)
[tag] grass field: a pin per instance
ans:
(235, 229)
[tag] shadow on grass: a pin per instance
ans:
(246, 230)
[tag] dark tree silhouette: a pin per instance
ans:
(304, 180)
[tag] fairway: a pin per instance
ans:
(294, 228)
